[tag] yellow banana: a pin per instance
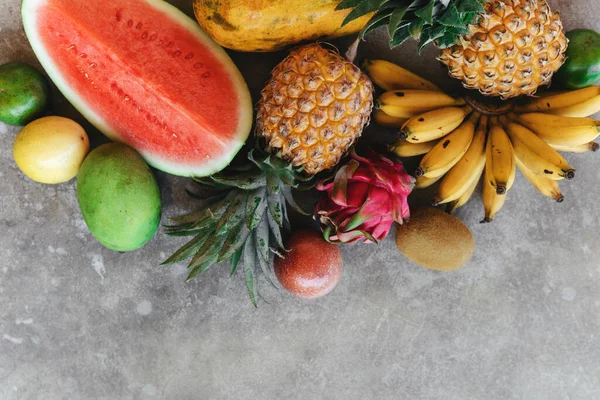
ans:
(468, 169)
(388, 121)
(545, 186)
(582, 148)
(409, 103)
(585, 109)
(537, 155)
(465, 197)
(448, 151)
(390, 76)
(492, 201)
(559, 130)
(559, 101)
(402, 148)
(424, 182)
(434, 124)
(500, 158)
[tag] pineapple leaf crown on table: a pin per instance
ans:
(315, 107)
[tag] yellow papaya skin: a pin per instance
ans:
(270, 25)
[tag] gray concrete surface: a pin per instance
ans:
(520, 321)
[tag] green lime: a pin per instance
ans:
(23, 93)
(582, 68)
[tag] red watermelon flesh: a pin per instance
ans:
(145, 74)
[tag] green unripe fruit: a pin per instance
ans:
(119, 197)
(582, 68)
(23, 93)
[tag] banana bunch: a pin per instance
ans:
(462, 141)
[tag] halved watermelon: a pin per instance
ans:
(145, 74)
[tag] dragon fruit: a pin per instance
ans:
(363, 199)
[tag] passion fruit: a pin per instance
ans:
(51, 149)
(312, 267)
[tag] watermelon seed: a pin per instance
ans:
(189, 56)
(170, 44)
(144, 35)
(138, 26)
(206, 75)
(153, 37)
(83, 55)
(126, 98)
(198, 65)
(71, 47)
(87, 76)
(92, 65)
(119, 16)
(130, 23)
(177, 53)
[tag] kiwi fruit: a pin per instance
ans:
(435, 239)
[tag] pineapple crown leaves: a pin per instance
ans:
(243, 222)
(439, 21)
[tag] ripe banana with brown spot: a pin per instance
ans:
(500, 158)
(582, 148)
(448, 151)
(537, 155)
(468, 169)
(409, 103)
(390, 76)
(545, 186)
(562, 102)
(559, 130)
(381, 118)
(402, 148)
(492, 201)
(465, 197)
(434, 124)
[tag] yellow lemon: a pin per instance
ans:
(51, 149)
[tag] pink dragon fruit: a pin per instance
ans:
(364, 199)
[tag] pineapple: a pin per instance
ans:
(504, 48)
(314, 108)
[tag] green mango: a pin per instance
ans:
(23, 93)
(582, 68)
(119, 197)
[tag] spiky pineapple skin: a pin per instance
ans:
(314, 107)
(513, 49)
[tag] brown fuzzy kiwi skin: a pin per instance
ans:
(435, 239)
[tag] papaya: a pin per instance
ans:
(270, 25)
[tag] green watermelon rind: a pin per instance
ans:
(245, 108)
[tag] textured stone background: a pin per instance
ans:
(520, 321)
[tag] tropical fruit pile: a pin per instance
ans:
(462, 139)
(172, 99)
